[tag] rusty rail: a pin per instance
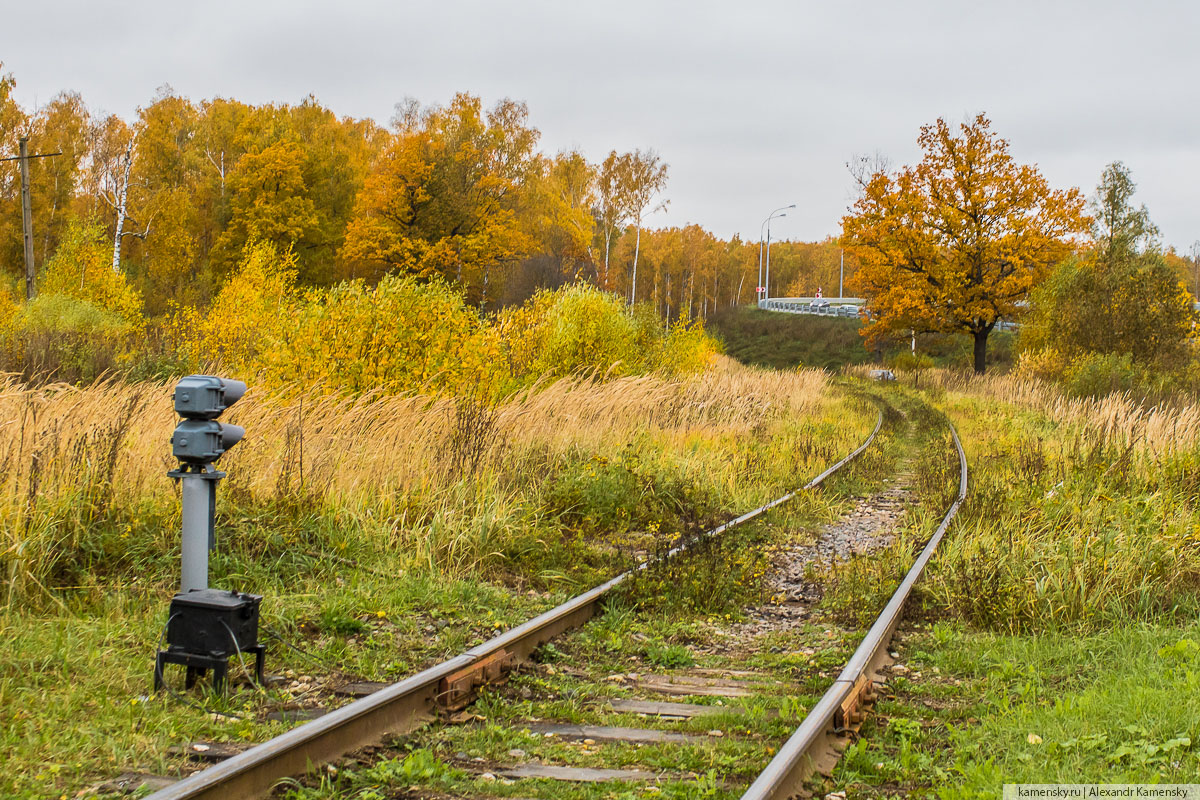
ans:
(404, 706)
(839, 709)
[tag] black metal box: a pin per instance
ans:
(213, 622)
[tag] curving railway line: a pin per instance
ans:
(405, 706)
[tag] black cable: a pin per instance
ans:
(275, 635)
(159, 680)
(163, 682)
(241, 659)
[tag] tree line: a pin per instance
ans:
(461, 194)
(455, 192)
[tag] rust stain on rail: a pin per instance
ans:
(461, 688)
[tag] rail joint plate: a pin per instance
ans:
(852, 711)
(458, 689)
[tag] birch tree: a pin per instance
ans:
(644, 177)
(612, 209)
(114, 191)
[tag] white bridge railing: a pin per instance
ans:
(820, 306)
(837, 307)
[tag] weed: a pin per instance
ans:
(668, 655)
(335, 622)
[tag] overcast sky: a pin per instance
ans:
(754, 105)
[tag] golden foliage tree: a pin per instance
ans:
(558, 211)
(13, 122)
(805, 267)
(269, 199)
(442, 199)
(957, 241)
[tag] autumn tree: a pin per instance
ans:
(269, 199)
(957, 241)
(1119, 298)
(1186, 266)
(804, 267)
(13, 123)
(62, 126)
(612, 205)
(557, 210)
(287, 175)
(643, 176)
(442, 199)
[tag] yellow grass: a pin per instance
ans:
(69, 453)
(1160, 430)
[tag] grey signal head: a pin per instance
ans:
(200, 399)
(206, 396)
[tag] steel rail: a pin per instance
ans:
(784, 776)
(403, 706)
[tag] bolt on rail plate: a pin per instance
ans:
(458, 690)
(852, 711)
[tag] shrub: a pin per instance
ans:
(686, 350)
(85, 321)
(581, 328)
(399, 336)
(64, 338)
(1045, 363)
(247, 317)
(1100, 374)
(81, 268)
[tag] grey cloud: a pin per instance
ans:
(753, 104)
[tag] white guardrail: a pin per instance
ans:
(852, 307)
(820, 306)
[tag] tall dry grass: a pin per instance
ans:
(75, 458)
(1119, 418)
(1081, 512)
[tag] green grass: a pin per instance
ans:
(346, 586)
(1064, 646)
(648, 633)
(784, 341)
(75, 702)
(1120, 706)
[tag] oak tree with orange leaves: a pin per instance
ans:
(956, 242)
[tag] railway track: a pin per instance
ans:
(403, 707)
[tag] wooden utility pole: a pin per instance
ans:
(27, 211)
(27, 221)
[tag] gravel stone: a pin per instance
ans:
(867, 528)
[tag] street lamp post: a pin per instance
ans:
(763, 287)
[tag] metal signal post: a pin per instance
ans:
(198, 441)
(205, 626)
